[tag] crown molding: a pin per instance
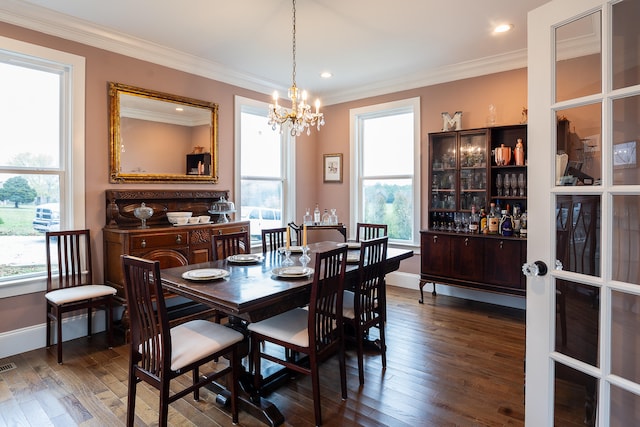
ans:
(59, 25)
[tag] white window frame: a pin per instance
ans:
(356, 118)
(72, 136)
(288, 177)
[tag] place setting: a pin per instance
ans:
(205, 274)
(245, 258)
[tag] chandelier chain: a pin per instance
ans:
(294, 42)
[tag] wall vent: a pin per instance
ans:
(7, 367)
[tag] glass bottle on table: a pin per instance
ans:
(316, 215)
(325, 217)
(306, 219)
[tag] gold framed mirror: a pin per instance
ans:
(159, 137)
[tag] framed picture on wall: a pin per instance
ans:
(332, 167)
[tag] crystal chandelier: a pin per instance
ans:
(300, 117)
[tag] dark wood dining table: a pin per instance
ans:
(251, 292)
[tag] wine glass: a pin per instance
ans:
(507, 185)
(499, 184)
(514, 185)
(521, 184)
(457, 218)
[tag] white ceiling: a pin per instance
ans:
(370, 46)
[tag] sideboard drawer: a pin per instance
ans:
(160, 240)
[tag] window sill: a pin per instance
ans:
(22, 287)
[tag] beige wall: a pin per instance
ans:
(507, 91)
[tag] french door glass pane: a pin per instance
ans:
(389, 201)
(625, 335)
(626, 239)
(626, 44)
(625, 408)
(579, 146)
(578, 233)
(626, 131)
(577, 321)
(575, 397)
(578, 56)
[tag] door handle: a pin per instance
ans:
(537, 268)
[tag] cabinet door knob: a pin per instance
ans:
(143, 243)
(501, 243)
(435, 239)
(466, 241)
(179, 238)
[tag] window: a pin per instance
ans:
(264, 168)
(42, 161)
(385, 189)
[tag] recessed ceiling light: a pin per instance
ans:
(503, 28)
(326, 75)
(179, 109)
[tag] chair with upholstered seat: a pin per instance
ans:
(225, 245)
(70, 283)
(365, 307)
(159, 354)
(316, 331)
(366, 231)
(274, 238)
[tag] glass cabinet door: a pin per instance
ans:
(443, 175)
(473, 170)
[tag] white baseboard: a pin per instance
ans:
(412, 281)
(33, 337)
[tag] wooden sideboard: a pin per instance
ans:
(477, 261)
(172, 246)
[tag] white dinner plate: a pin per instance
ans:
(245, 258)
(350, 245)
(353, 258)
(205, 274)
(293, 249)
(294, 271)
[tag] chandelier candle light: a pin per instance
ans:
(300, 117)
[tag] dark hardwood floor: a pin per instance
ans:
(450, 362)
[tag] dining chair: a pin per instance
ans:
(366, 231)
(70, 283)
(274, 238)
(159, 353)
(365, 306)
(225, 245)
(315, 331)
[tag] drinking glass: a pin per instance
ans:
(499, 184)
(521, 184)
(514, 185)
(457, 218)
(507, 185)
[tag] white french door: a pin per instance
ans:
(583, 320)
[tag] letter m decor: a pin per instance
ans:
(454, 123)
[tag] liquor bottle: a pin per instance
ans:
(493, 220)
(306, 219)
(325, 217)
(474, 221)
(506, 225)
(515, 218)
(316, 215)
(523, 225)
(483, 222)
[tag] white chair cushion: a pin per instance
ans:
(79, 293)
(290, 327)
(191, 341)
(347, 305)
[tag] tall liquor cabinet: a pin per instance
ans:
(461, 170)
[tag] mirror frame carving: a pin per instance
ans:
(116, 176)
